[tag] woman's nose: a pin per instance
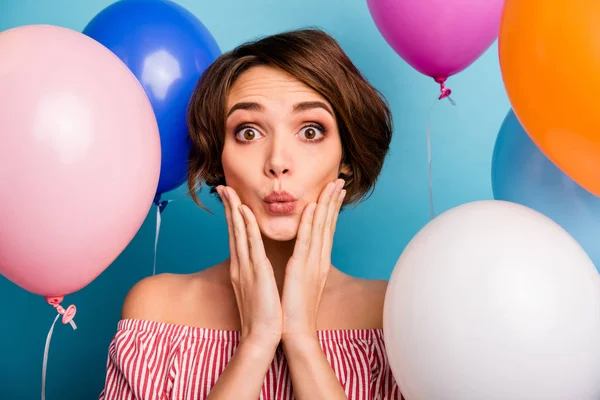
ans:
(278, 159)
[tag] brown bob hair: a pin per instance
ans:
(315, 59)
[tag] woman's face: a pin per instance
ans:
(280, 136)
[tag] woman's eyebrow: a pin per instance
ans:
(251, 106)
(303, 106)
(309, 105)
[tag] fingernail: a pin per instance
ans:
(342, 194)
(226, 193)
(340, 184)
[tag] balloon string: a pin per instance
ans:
(156, 238)
(429, 164)
(160, 207)
(445, 93)
(67, 318)
(45, 363)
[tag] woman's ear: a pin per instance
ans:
(345, 170)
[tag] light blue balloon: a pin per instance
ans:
(521, 173)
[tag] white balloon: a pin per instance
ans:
(494, 301)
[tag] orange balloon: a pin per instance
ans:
(549, 54)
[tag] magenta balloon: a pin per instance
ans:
(79, 158)
(438, 38)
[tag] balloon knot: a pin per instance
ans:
(68, 314)
(161, 204)
(444, 91)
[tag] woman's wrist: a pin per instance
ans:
(300, 337)
(259, 348)
(244, 375)
(301, 343)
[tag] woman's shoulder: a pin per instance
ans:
(187, 299)
(356, 303)
(371, 295)
(152, 295)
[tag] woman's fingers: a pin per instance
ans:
(315, 233)
(333, 207)
(255, 243)
(255, 290)
(302, 245)
(332, 215)
(228, 217)
(244, 234)
(340, 201)
(320, 221)
(239, 227)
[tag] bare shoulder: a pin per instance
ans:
(373, 289)
(188, 299)
(356, 303)
(153, 297)
(372, 292)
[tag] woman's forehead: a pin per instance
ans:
(265, 84)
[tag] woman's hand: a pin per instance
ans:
(307, 270)
(251, 275)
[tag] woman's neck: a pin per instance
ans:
(279, 253)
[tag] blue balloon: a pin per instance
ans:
(167, 48)
(521, 173)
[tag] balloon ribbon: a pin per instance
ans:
(160, 207)
(444, 93)
(67, 318)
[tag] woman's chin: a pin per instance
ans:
(281, 229)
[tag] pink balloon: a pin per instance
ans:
(438, 38)
(79, 158)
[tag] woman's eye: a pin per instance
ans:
(311, 133)
(247, 134)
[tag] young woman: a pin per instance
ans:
(286, 131)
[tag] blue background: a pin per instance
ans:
(370, 237)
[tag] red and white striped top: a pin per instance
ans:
(155, 360)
